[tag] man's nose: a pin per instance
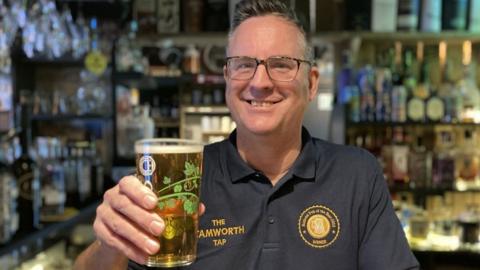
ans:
(261, 79)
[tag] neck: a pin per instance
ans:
(272, 155)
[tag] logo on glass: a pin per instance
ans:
(147, 165)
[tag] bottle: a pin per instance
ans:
(84, 173)
(27, 174)
(467, 86)
(399, 91)
(357, 15)
(473, 18)
(400, 152)
(97, 171)
(383, 87)
(443, 167)
(431, 16)
(52, 180)
(467, 162)
(69, 165)
(384, 15)
(407, 18)
(367, 94)
(450, 95)
(191, 60)
(8, 201)
(454, 14)
(434, 105)
(192, 13)
(345, 78)
(419, 164)
(417, 94)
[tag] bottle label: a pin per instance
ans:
(400, 162)
(416, 109)
(435, 109)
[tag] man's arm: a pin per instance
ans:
(98, 256)
(384, 245)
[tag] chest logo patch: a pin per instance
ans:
(318, 226)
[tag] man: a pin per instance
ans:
(275, 198)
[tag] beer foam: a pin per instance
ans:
(167, 146)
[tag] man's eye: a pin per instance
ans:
(245, 65)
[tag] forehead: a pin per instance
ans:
(266, 36)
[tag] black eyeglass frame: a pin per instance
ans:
(264, 62)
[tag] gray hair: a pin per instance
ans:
(247, 9)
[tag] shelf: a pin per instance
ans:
(405, 124)
(202, 110)
(215, 133)
(426, 37)
(166, 123)
(70, 117)
(50, 231)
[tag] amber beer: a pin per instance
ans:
(172, 169)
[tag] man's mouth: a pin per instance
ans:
(259, 103)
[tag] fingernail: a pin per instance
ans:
(152, 246)
(156, 227)
(150, 201)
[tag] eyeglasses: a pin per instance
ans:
(279, 68)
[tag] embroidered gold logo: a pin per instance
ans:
(318, 226)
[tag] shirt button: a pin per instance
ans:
(271, 220)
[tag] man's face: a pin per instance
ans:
(262, 106)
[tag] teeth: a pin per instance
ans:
(261, 103)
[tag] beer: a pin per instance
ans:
(172, 169)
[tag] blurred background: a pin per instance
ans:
(80, 81)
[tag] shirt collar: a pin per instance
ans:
(304, 166)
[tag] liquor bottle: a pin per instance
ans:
(357, 15)
(52, 180)
(383, 87)
(367, 94)
(399, 91)
(454, 14)
(419, 164)
(467, 162)
(27, 174)
(354, 104)
(384, 15)
(97, 171)
(8, 201)
(416, 94)
(168, 16)
(467, 87)
(336, 22)
(450, 95)
(400, 151)
(192, 13)
(443, 167)
(431, 16)
(434, 104)
(144, 11)
(399, 104)
(83, 173)
(345, 78)
(69, 164)
(473, 18)
(407, 18)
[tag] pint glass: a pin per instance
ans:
(172, 169)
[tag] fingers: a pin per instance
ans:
(146, 219)
(201, 209)
(137, 192)
(108, 238)
(120, 227)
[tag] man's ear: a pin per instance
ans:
(313, 77)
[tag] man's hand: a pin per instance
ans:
(125, 220)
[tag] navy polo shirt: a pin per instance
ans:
(332, 210)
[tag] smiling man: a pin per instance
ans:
(275, 197)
